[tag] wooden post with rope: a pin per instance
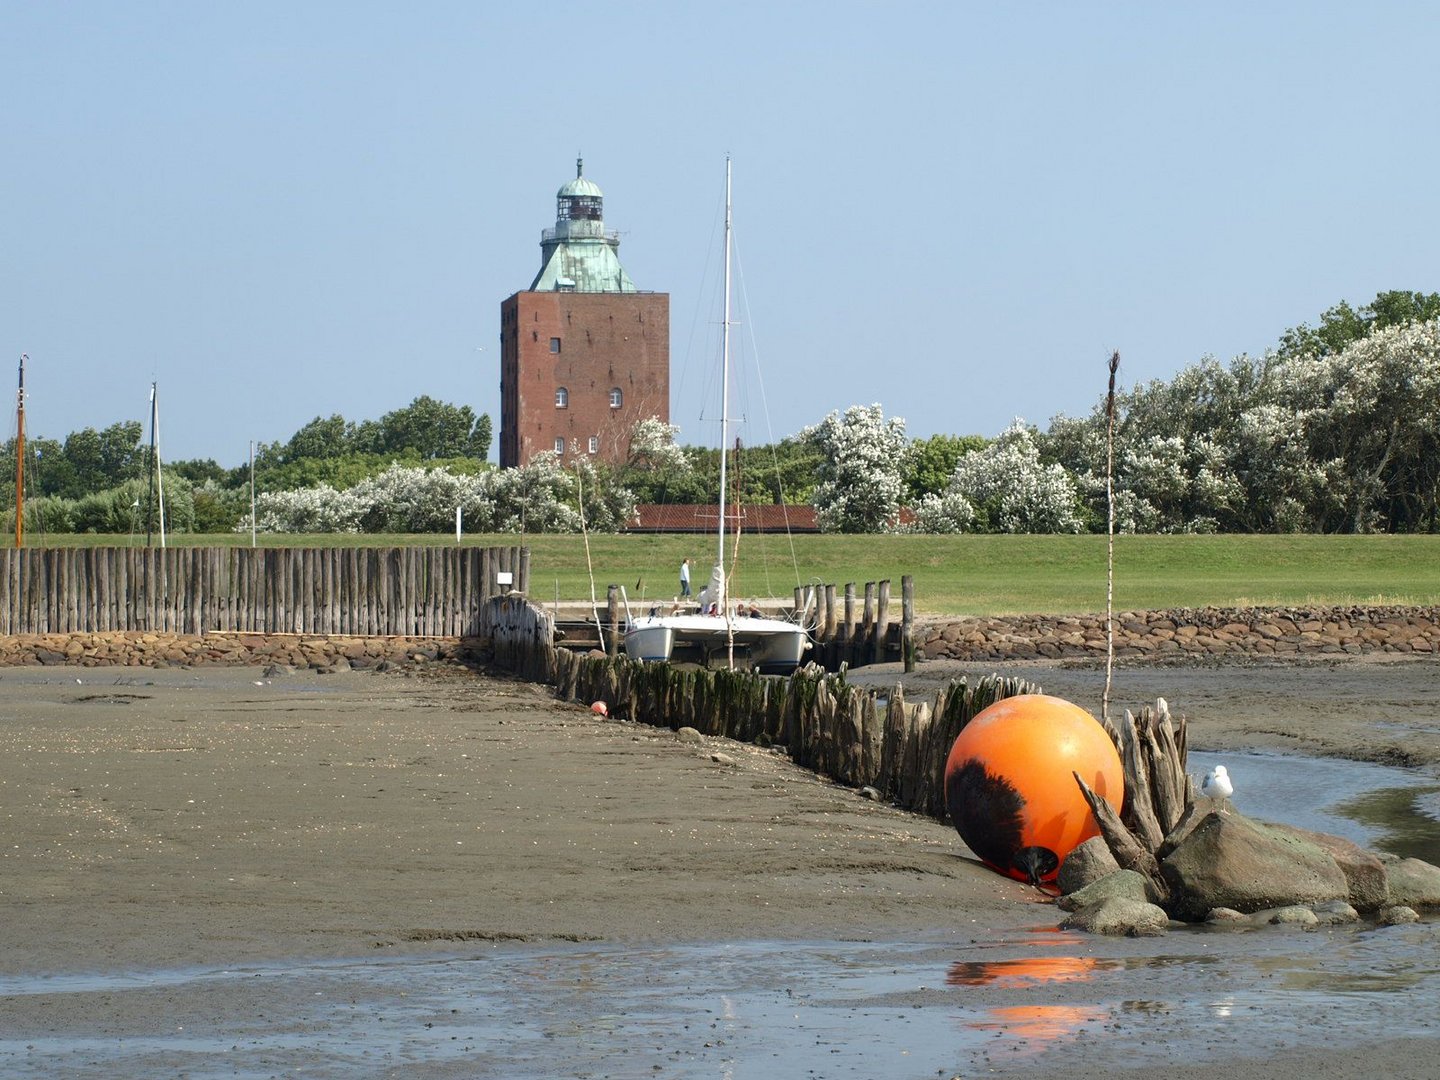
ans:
(1110, 538)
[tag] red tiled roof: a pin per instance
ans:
(700, 518)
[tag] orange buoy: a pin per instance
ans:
(1009, 788)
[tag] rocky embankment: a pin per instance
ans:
(1188, 633)
(141, 649)
(1174, 634)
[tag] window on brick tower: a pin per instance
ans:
(559, 444)
(594, 444)
(616, 398)
(562, 398)
(554, 344)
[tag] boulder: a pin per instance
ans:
(1087, 863)
(1290, 915)
(1369, 883)
(1224, 916)
(1413, 882)
(1118, 916)
(1228, 860)
(1398, 915)
(1117, 885)
(1335, 913)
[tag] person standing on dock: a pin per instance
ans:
(684, 579)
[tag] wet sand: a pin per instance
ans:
(183, 819)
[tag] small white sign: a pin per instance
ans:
(504, 577)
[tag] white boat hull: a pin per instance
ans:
(772, 646)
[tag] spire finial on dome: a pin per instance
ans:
(579, 166)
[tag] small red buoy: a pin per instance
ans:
(1009, 788)
(600, 708)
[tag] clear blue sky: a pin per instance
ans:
(284, 210)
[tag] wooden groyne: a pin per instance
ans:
(363, 592)
(861, 736)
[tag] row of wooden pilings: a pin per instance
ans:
(847, 633)
(860, 736)
(392, 591)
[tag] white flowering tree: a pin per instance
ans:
(319, 509)
(947, 512)
(541, 496)
(413, 499)
(1012, 490)
(653, 447)
(862, 469)
(1341, 439)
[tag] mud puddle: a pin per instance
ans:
(827, 1009)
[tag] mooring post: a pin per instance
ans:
(866, 643)
(832, 613)
(907, 621)
(612, 603)
(847, 632)
(882, 622)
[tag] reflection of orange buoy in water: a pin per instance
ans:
(1026, 970)
(1009, 788)
(1041, 1024)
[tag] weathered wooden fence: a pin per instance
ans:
(409, 591)
(861, 736)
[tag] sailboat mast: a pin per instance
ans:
(20, 458)
(724, 392)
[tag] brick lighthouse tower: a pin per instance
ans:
(584, 354)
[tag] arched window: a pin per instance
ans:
(559, 444)
(616, 398)
(594, 444)
(562, 398)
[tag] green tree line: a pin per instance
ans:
(1332, 430)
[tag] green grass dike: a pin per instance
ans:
(958, 575)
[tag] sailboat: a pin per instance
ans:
(719, 627)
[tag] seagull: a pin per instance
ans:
(1217, 787)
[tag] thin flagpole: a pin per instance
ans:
(159, 476)
(150, 502)
(252, 493)
(20, 457)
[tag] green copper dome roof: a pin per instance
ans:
(579, 254)
(580, 186)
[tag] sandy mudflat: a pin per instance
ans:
(175, 819)
(182, 817)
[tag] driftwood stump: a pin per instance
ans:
(1158, 793)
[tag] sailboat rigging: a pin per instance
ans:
(773, 646)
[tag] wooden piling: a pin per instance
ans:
(881, 636)
(907, 622)
(612, 619)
